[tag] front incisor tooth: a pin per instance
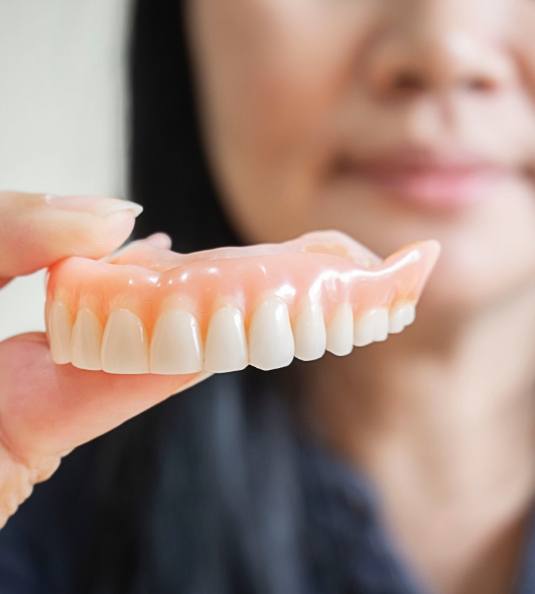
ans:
(59, 332)
(340, 331)
(86, 340)
(226, 347)
(371, 327)
(124, 345)
(309, 332)
(401, 316)
(271, 342)
(176, 344)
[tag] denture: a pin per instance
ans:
(147, 309)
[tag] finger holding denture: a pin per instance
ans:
(147, 309)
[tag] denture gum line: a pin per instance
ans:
(149, 310)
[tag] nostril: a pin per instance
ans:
(408, 82)
(481, 84)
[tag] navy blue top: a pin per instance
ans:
(44, 546)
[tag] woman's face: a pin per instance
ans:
(391, 120)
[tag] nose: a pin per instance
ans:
(436, 49)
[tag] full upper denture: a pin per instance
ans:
(149, 310)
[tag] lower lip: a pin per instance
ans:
(436, 189)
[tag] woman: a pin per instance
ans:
(405, 467)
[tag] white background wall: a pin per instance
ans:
(62, 114)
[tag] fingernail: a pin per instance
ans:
(97, 205)
(159, 240)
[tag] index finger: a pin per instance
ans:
(36, 230)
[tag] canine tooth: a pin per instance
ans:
(401, 316)
(86, 340)
(176, 344)
(309, 332)
(59, 332)
(364, 329)
(340, 331)
(271, 342)
(124, 345)
(226, 347)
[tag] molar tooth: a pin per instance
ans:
(124, 345)
(59, 332)
(271, 342)
(401, 316)
(176, 344)
(409, 314)
(86, 340)
(226, 348)
(371, 327)
(340, 331)
(309, 332)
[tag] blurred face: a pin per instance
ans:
(391, 120)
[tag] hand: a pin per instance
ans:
(47, 410)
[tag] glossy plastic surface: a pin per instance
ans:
(318, 272)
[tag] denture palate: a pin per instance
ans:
(146, 309)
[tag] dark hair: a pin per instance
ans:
(169, 173)
(198, 495)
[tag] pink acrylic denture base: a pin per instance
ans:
(326, 267)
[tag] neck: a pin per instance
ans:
(440, 417)
(445, 400)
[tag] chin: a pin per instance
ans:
(488, 250)
(469, 282)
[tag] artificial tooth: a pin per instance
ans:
(401, 316)
(410, 314)
(59, 332)
(340, 331)
(124, 345)
(371, 327)
(381, 324)
(309, 332)
(176, 344)
(271, 342)
(86, 340)
(226, 347)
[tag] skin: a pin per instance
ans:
(58, 407)
(441, 417)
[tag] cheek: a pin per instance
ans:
(269, 74)
(488, 252)
(258, 95)
(273, 76)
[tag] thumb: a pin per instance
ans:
(48, 409)
(36, 230)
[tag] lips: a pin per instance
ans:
(427, 179)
